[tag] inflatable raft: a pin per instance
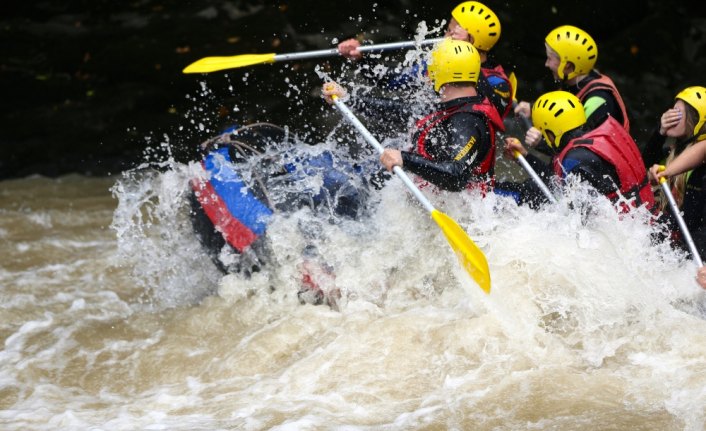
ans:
(251, 174)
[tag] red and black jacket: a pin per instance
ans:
(455, 146)
(495, 85)
(616, 148)
(599, 82)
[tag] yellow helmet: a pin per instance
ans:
(696, 98)
(454, 61)
(480, 22)
(574, 45)
(557, 112)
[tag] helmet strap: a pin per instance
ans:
(560, 70)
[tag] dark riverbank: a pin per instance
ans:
(88, 86)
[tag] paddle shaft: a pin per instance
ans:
(374, 142)
(532, 173)
(682, 225)
(214, 64)
(362, 48)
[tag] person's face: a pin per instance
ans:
(456, 32)
(679, 130)
(551, 139)
(552, 62)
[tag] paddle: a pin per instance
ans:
(530, 171)
(214, 64)
(526, 123)
(469, 255)
(682, 225)
(513, 86)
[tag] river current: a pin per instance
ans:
(114, 318)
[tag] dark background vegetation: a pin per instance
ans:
(88, 86)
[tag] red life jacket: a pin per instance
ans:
(500, 73)
(492, 120)
(605, 83)
(613, 144)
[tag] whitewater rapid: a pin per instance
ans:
(114, 318)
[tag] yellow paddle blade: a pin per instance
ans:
(513, 84)
(214, 64)
(469, 255)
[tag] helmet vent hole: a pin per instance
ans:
(480, 12)
(576, 37)
(492, 24)
(472, 7)
(584, 41)
(552, 106)
(545, 103)
(592, 57)
(558, 112)
(698, 95)
(568, 35)
(492, 34)
(590, 48)
(571, 103)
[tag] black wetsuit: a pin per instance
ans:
(694, 202)
(457, 146)
(694, 208)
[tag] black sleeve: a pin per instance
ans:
(544, 170)
(461, 147)
(592, 169)
(655, 151)
(694, 208)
